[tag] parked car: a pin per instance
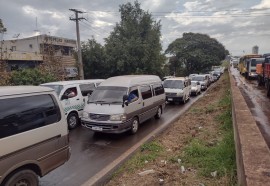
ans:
(177, 89)
(33, 134)
(121, 103)
(73, 96)
(195, 88)
(203, 79)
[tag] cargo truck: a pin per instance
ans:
(263, 71)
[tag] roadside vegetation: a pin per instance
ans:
(198, 149)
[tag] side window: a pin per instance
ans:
(71, 92)
(158, 89)
(146, 92)
(87, 88)
(133, 96)
(26, 113)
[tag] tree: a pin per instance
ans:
(94, 60)
(134, 47)
(196, 52)
(2, 28)
(30, 77)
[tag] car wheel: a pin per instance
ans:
(134, 126)
(24, 178)
(159, 113)
(72, 120)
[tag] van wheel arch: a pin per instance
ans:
(35, 169)
(74, 118)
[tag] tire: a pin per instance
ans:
(72, 120)
(159, 113)
(134, 126)
(23, 177)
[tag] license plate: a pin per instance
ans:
(97, 128)
(170, 99)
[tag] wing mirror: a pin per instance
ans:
(125, 100)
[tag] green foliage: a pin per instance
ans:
(148, 152)
(195, 53)
(134, 47)
(221, 156)
(30, 77)
(94, 60)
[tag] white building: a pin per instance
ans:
(30, 52)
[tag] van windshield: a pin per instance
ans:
(108, 94)
(56, 88)
(197, 78)
(177, 84)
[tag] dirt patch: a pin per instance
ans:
(170, 168)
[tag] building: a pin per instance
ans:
(33, 51)
(255, 50)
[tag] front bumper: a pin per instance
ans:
(107, 127)
(174, 98)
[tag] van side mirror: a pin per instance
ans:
(64, 97)
(125, 100)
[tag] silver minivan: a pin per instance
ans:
(33, 134)
(121, 103)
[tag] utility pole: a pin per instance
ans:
(78, 40)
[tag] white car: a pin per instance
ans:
(195, 88)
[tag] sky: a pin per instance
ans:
(237, 24)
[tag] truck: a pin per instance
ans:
(251, 65)
(242, 65)
(263, 74)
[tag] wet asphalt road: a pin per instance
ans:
(257, 102)
(91, 152)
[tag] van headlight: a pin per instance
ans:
(85, 114)
(118, 117)
(179, 93)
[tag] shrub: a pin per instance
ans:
(30, 77)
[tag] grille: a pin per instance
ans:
(99, 117)
(171, 94)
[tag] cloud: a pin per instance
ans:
(262, 5)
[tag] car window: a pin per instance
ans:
(26, 113)
(71, 92)
(146, 92)
(133, 96)
(158, 89)
(87, 88)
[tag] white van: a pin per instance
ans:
(122, 103)
(177, 89)
(33, 134)
(73, 96)
(203, 79)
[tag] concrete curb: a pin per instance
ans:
(104, 175)
(252, 153)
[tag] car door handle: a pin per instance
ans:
(78, 99)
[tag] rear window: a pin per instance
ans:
(27, 113)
